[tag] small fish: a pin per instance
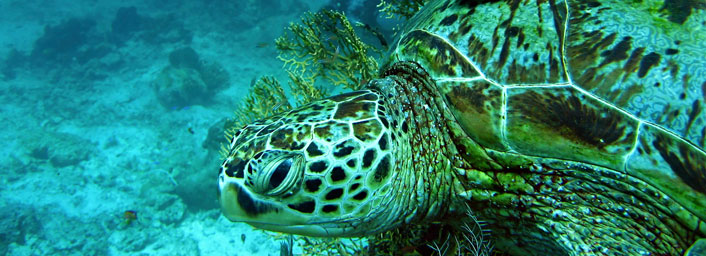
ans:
(129, 216)
(262, 45)
(191, 130)
(242, 237)
(280, 104)
(333, 58)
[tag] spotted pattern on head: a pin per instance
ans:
(328, 158)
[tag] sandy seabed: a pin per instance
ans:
(86, 139)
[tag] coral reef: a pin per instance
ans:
(58, 149)
(75, 39)
(187, 80)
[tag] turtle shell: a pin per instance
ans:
(617, 84)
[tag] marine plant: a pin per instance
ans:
(324, 46)
(401, 8)
(266, 97)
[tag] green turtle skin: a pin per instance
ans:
(570, 127)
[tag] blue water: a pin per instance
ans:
(101, 155)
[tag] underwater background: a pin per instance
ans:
(112, 116)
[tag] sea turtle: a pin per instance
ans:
(570, 127)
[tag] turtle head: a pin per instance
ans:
(320, 170)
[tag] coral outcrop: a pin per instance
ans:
(188, 80)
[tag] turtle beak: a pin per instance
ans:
(238, 205)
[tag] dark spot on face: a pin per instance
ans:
(282, 138)
(366, 130)
(368, 158)
(237, 168)
(270, 128)
(305, 207)
(382, 170)
(405, 128)
(334, 194)
(351, 163)
(329, 208)
(344, 149)
(251, 207)
(383, 120)
(313, 150)
(304, 116)
(381, 106)
(671, 51)
(361, 195)
(337, 174)
(647, 62)
(317, 107)
(353, 109)
(448, 20)
(250, 171)
(312, 185)
(382, 143)
(354, 186)
(318, 166)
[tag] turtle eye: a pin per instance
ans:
(280, 173)
(274, 175)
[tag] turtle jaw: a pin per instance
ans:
(237, 205)
(306, 230)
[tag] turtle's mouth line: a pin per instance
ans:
(299, 229)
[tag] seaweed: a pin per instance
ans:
(402, 8)
(326, 45)
(266, 98)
